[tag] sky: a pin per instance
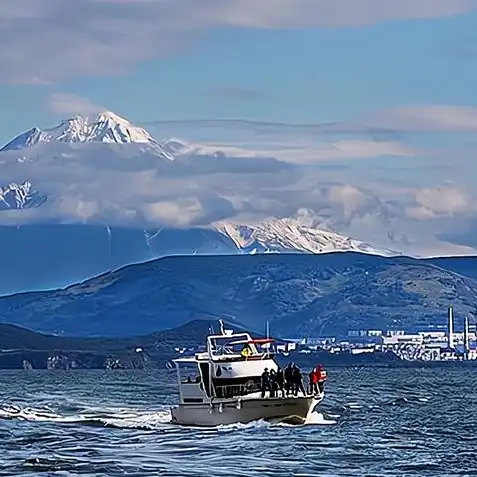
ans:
(371, 99)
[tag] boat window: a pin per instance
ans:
(189, 373)
(236, 344)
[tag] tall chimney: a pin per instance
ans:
(450, 328)
(466, 338)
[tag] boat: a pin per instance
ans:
(222, 385)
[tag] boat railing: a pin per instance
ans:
(234, 390)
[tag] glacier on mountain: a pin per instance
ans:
(20, 196)
(106, 127)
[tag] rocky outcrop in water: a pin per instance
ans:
(27, 359)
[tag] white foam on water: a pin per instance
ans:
(29, 414)
(150, 420)
(318, 419)
(249, 425)
(118, 418)
(313, 419)
(353, 405)
(128, 418)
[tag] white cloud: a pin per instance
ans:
(311, 150)
(381, 133)
(94, 185)
(397, 138)
(68, 105)
(180, 212)
(425, 118)
(438, 202)
(48, 41)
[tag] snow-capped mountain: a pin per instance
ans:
(106, 127)
(20, 196)
(292, 235)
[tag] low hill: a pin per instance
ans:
(20, 347)
(192, 333)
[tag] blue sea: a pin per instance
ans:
(373, 422)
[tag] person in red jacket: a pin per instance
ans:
(313, 381)
(321, 376)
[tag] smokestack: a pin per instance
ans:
(451, 328)
(466, 338)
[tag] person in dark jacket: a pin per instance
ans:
(280, 378)
(273, 383)
(288, 375)
(265, 382)
(298, 381)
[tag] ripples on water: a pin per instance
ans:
(373, 422)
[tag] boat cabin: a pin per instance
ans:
(232, 366)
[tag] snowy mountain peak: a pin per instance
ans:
(106, 127)
(20, 196)
(113, 117)
(292, 235)
(111, 128)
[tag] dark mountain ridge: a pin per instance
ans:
(300, 295)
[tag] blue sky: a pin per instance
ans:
(396, 79)
(298, 75)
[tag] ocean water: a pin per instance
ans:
(373, 422)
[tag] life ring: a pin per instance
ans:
(249, 385)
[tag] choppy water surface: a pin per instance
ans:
(372, 423)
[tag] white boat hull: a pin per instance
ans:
(293, 410)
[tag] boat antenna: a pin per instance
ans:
(267, 332)
(222, 330)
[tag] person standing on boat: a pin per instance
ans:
(265, 382)
(280, 378)
(273, 383)
(321, 376)
(314, 381)
(288, 374)
(298, 381)
(246, 351)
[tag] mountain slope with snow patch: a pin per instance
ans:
(20, 196)
(293, 235)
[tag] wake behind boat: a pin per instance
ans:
(224, 385)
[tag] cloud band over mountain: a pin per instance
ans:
(133, 184)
